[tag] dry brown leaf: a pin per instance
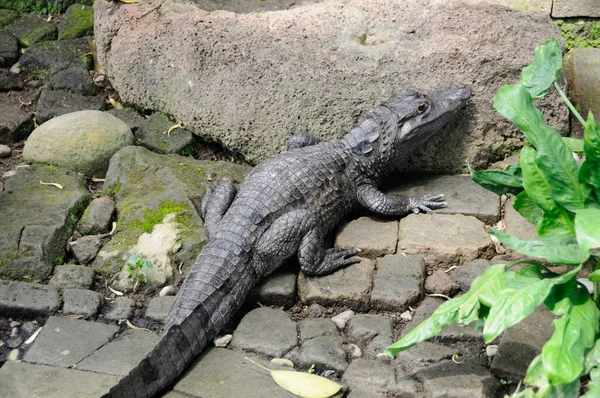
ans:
(132, 326)
(175, 126)
(118, 293)
(73, 316)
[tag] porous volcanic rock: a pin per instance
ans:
(249, 80)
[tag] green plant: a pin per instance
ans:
(561, 197)
(136, 265)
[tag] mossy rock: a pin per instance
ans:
(47, 58)
(579, 33)
(161, 135)
(78, 21)
(41, 6)
(7, 17)
(31, 29)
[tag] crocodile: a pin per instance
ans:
(286, 206)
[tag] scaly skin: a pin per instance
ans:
(286, 206)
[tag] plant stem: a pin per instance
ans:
(569, 104)
(594, 266)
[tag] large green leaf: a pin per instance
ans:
(500, 181)
(545, 68)
(593, 386)
(554, 158)
(525, 290)
(528, 209)
(587, 229)
(555, 249)
(536, 376)
(574, 144)
(463, 309)
(590, 169)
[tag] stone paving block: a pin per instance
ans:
(444, 240)
(325, 352)
(121, 355)
(521, 343)
(468, 272)
(450, 379)
(316, 327)
(86, 248)
(463, 195)
(515, 224)
(23, 380)
(277, 289)
(159, 308)
(440, 283)
(64, 342)
(27, 299)
(72, 277)
(96, 218)
(223, 373)
(81, 302)
(267, 331)
(370, 376)
(422, 354)
(374, 237)
(575, 8)
(122, 308)
(348, 286)
(373, 333)
(398, 282)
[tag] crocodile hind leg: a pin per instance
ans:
(215, 203)
(300, 140)
(298, 231)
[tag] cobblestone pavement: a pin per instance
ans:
(338, 324)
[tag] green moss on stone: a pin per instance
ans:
(580, 32)
(152, 218)
(78, 21)
(7, 17)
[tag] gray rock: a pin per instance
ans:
(336, 73)
(14, 342)
(9, 49)
(521, 343)
(129, 116)
(122, 354)
(450, 379)
(373, 237)
(440, 283)
(122, 308)
(81, 302)
(132, 177)
(325, 352)
(582, 66)
(20, 299)
(77, 21)
(224, 373)
(97, 216)
(444, 240)
(33, 242)
(45, 59)
(5, 151)
(53, 103)
(462, 194)
(15, 123)
(83, 141)
(159, 308)
(370, 376)
(63, 342)
(515, 224)
(310, 328)
(575, 8)
(529, 5)
(153, 134)
(372, 333)
(422, 354)
(76, 79)
(267, 331)
(277, 289)
(85, 248)
(468, 272)
(22, 380)
(72, 277)
(342, 319)
(7, 17)
(349, 286)
(9, 81)
(31, 29)
(398, 282)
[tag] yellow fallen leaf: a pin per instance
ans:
(132, 326)
(303, 384)
(118, 293)
(130, 1)
(53, 184)
(176, 126)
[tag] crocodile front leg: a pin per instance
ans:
(396, 205)
(298, 231)
(215, 203)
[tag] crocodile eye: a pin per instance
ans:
(422, 107)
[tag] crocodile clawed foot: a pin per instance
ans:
(427, 203)
(336, 258)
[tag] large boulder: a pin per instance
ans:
(249, 80)
(83, 141)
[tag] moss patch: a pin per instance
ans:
(78, 21)
(152, 218)
(7, 17)
(580, 32)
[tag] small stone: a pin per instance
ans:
(13, 355)
(85, 248)
(5, 151)
(223, 341)
(81, 302)
(122, 308)
(283, 362)
(15, 324)
(14, 342)
(15, 69)
(97, 216)
(159, 308)
(316, 310)
(491, 350)
(9, 81)
(99, 79)
(341, 319)
(373, 237)
(354, 351)
(167, 291)
(9, 174)
(441, 283)
(72, 277)
(29, 327)
(14, 331)
(34, 83)
(406, 315)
